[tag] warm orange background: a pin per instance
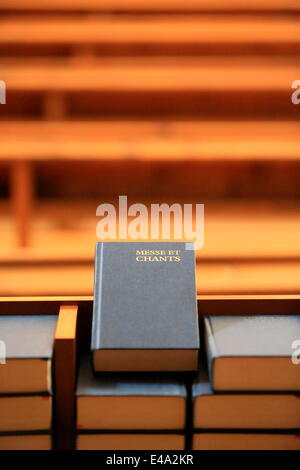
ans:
(183, 101)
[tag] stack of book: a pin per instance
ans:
(130, 392)
(251, 399)
(25, 381)
(129, 412)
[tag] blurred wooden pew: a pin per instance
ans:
(149, 35)
(211, 117)
(65, 230)
(153, 5)
(227, 141)
(222, 75)
(135, 143)
(248, 87)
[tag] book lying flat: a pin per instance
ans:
(28, 347)
(243, 410)
(254, 352)
(245, 441)
(25, 413)
(143, 441)
(25, 442)
(145, 310)
(115, 402)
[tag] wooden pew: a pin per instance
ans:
(213, 75)
(153, 5)
(247, 231)
(160, 34)
(217, 86)
(147, 146)
(260, 141)
(208, 87)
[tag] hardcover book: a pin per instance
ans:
(115, 402)
(246, 441)
(28, 346)
(252, 353)
(145, 310)
(26, 441)
(25, 413)
(242, 410)
(130, 441)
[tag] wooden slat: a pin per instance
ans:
(152, 141)
(153, 5)
(155, 75)
(187, 30)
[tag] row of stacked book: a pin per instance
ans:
(243, 396)
(26, 384)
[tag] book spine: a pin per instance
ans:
(96, 323)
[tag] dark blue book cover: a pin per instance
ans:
(145, 308)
